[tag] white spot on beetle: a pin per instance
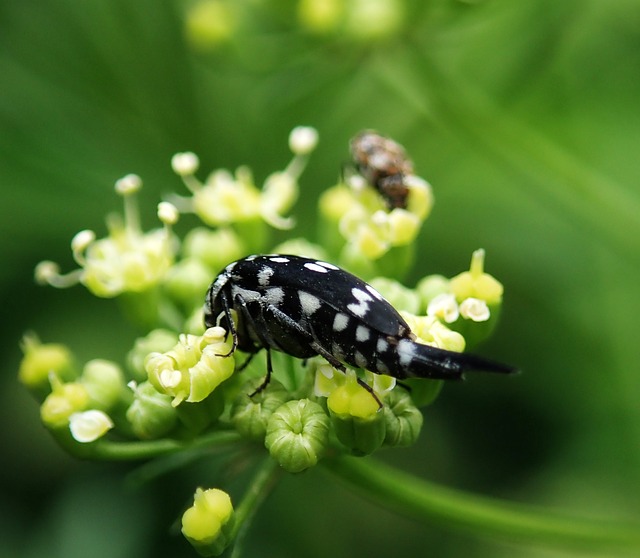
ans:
(362, 306)
(359, 359)
(279, 259)
(374, 292)
(308, 302)
(328, 266)
(382, 345)
(381, 367)
(362, 333)
(316, 267)
(340, 322)
(406, 350)
(264, 275)
(274, 296)
(337, 351)
(246, 294)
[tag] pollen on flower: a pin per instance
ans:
(80, 242)
(214, 334)
(170, 378)
(185, 164)
(444, 307)
(431, 331)
(475, 309)
(45, 271)
(89, 425)
(128, 184)
(168, 213)
(303, 140)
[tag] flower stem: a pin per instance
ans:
(109, 450)
(260, 487)
(483, 516)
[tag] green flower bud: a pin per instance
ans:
(250, 415)
(194, 367)
(301, 247)
(348, 397)
(297, 434)
(40, 360)
(475, 283)
(63, 401)
(335, 202)
(210, 23)
(214, 248)
(194, 324)
(321, 16)
(397, 294)
(151, 414)
(355, 413)
(186, 281)
(156, 341)
(372, 20)
(431, 286)
(196, 416)
(402, 418)
(208, 524)
(104, 383)
(362, 436)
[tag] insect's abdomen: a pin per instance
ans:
(356, 344)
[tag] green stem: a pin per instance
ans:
(260, 487)
(483, 516)
(110, 450)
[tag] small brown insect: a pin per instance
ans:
(383, 162)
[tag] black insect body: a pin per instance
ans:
(305, 307)
(384, 164)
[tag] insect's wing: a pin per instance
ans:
(347, 294)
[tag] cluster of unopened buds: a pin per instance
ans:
(184, 383)
(211, 24)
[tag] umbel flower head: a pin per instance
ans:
(225, 198)
(366, 224)
(178, 386)
(126, 260)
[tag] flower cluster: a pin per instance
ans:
(181, 381)
(210, 24)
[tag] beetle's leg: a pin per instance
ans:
(317, 347)
(232, 326)
(262, 332)
(267, 378)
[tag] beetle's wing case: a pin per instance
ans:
(333, 287)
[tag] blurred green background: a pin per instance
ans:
(525, 118)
